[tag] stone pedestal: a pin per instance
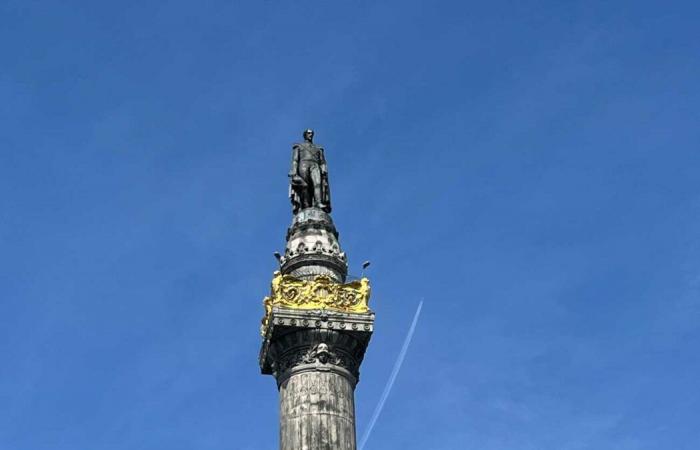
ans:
(312, 247)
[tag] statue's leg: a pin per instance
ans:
(316, 181)
(307, 197)
(305, 191)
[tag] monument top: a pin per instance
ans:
(308, 176)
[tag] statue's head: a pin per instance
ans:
(309, 135)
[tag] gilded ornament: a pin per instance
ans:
(320, 293)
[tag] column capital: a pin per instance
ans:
(315, 340)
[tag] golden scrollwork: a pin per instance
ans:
(319, 293)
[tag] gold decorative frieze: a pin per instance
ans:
(320, 293)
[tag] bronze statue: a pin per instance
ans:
(308, 177)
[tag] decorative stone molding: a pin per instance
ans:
(317, 355)
(289, 350)
(313, 241)
(311, 226)
(320, 293)
(304, 265)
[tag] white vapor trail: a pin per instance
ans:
(392, 378)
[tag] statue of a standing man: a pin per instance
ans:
(308, 177)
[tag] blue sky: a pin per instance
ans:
(530, 169)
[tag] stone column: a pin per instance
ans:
(317, 411)
(316, 363)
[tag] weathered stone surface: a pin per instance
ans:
(292, 334)
(317, 412)
(312, 247)
(315, 355)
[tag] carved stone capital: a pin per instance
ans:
(298, 341)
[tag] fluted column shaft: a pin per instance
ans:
(317, 411)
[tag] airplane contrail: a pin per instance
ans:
(392, 378)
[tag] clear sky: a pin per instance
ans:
(529, 169)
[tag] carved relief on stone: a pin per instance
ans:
(321, 293)
(301, 245)
(317, 354)
(321, 354)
